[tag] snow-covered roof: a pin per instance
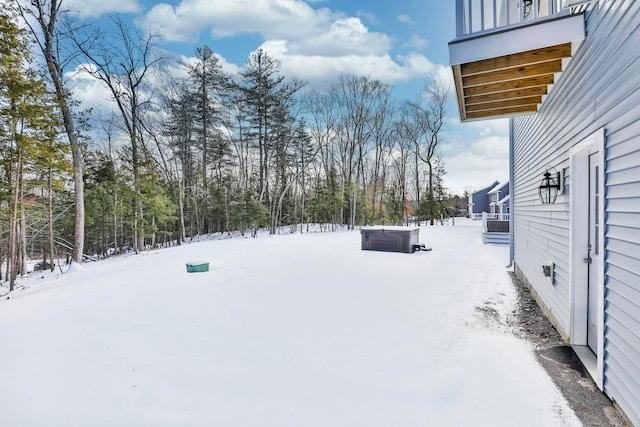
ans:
(504, 200)
(498, 187)
(484, 190)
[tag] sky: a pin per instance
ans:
(402, 43)
(285, 330)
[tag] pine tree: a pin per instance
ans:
(209, 86)
(267, 101)
(27, 124)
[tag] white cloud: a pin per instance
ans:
(459, 179)
(476, 155)
(417, 42)
(300, 30)
(322, 71)
(308, 31)
(95, 8)
(278, 19)
(368, 17)
(405, 18)
(498, 127)
(316, 45)
(348, 36)
(90, 91)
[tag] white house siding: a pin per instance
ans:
(541, 232)
(599, 89)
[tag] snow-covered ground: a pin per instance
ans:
(291, 330)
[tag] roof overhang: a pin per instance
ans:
(510, 71)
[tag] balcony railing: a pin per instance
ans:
(478, 16)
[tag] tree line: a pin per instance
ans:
(190, 149)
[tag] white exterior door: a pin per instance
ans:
(594, 257)
(586, 270)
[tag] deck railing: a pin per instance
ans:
(477, 16)
(497, 217)
(490, 216)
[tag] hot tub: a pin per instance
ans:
(390, 238)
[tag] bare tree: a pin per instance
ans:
(48, 35)
(401, 151)
(422, 126)
(436, 93)
(324, 126)
(179, 103)
(382, 131)
(122, 62)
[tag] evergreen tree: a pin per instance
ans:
(27, 124)
(209, 86)
(268, 100)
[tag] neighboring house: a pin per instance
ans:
(499, 199)
(479, 201)
(503, 206)
(491, 205)
(566, 73)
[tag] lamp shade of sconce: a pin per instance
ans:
(526, 8)
(549, 187)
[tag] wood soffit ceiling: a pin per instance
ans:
(507, 85)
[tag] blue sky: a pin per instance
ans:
(399, 42)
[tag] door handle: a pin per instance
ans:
(587, 260)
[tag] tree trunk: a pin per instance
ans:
(50, 216)
(183, 231)
(23, 241)
(1, 254)
(47, 35)
(78, 243)
(13, 226)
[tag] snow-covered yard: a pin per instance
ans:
(293, 330)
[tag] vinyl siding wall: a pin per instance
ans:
(599, 89)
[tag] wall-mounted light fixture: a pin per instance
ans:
(548, 190)
(526, 8)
